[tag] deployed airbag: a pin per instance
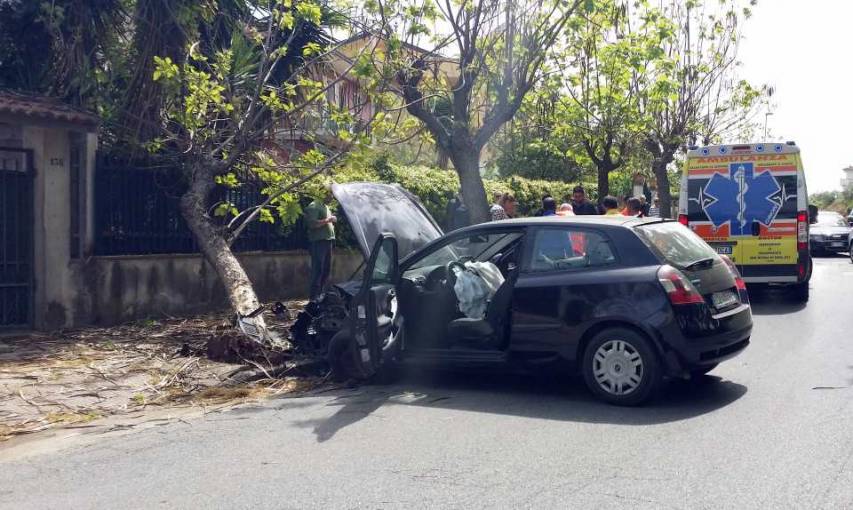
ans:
(475, 285)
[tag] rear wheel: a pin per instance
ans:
(621, 367)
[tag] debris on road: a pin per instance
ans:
(71, 378)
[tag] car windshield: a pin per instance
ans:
(471, 247)
(830, 220)
(675, 243)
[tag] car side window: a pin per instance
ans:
(561, 249)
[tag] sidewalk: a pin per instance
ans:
(70, 379)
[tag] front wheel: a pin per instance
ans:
(621, 367)
(850, 251)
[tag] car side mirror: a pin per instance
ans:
(812, 214)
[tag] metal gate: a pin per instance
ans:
(16, 238)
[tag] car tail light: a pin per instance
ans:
(739, 282)
(678, 288)
(682, 218)
(802, 231)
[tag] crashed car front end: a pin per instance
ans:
(322, 319)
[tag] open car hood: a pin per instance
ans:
(373, 209)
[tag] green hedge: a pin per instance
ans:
(434, 187)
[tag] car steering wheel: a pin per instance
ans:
(435, 278)
(450, 279)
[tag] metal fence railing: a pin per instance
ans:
(137, 212)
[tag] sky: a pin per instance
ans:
(803, 49)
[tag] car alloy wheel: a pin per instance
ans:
(618, 367)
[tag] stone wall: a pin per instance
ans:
(111, 290)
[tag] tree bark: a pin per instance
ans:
(442, 160)
(466, 161)
(659, 164)
(214, 246)
(603, 182)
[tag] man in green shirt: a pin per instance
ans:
(321, 236)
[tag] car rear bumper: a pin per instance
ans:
(696, 345)
(833, 246)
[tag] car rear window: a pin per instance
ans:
(830, 220)
(675, 243)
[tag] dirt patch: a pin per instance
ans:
(72, 378)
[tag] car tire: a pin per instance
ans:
(616, 358)
(850, 252)
(801, 292)
(340, 356)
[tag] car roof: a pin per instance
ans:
(613, 221)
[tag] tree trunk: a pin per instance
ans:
(441, 160)
(603, 182)
(216, 250)
(659, 165)
(467, 164)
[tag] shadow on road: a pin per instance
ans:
(560, 399)
(774, 301)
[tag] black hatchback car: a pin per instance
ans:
(626, 302)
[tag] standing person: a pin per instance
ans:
(508, 202)
(611, 206)
(321, 236)
(549, 206)
(633, 207)
(654, 210)
(580, 205)
(644, 207)
(457, 213)
(497, 210)
(565, 210)
(541, 212)
(639, 188)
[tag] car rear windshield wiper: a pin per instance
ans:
(699, 264)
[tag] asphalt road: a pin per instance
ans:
(772, 428)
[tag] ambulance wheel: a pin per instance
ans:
(801, 292)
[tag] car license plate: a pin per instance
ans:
(724, 299)
(837, 245)
(724, 249)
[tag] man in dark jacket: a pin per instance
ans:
(580, 204)
(457, 213)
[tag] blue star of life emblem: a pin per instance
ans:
(741, 198)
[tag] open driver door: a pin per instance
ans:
(374, 325)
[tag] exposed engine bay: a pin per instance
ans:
(322, 319)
